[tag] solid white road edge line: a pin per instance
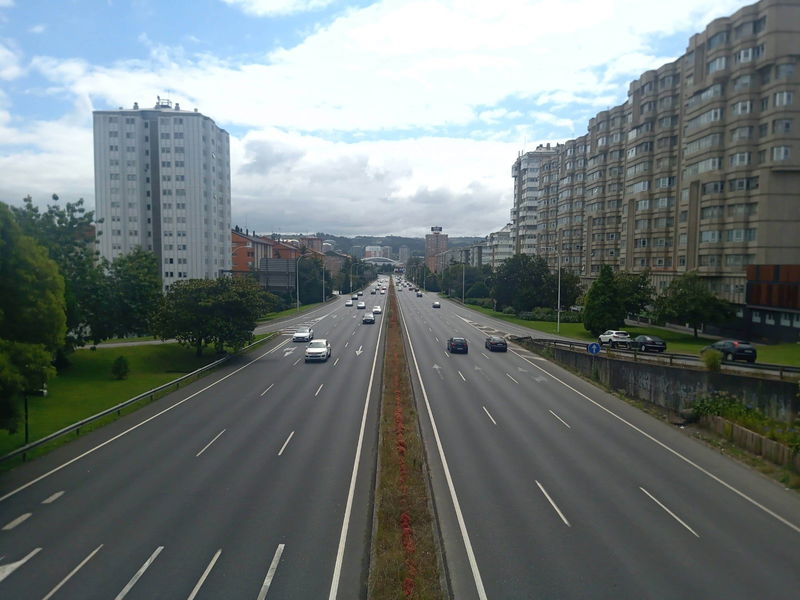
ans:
(127, 431)
(553, 504)
(337, 568)
(204, 576)
(669, 512)
(560, 419)
(488, 415)
(672, 451)
(6, 570)
(271, 572)
(476, 574)
(209, 443)
(139, 573)
(286, 443)
(52, 592)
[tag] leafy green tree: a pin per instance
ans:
(120, 367)
(219, 312)
(135, 283)
(68, 235)
(635, 289)
(523, 282)
(687, 299)
(478, 290)
(603, 308)
(32, 317)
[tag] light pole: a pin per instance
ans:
(463, 270)
(558, 302)
(297, 279)
(323, 280)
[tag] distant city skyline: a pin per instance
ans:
(352, 118)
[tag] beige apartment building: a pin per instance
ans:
(698, 169)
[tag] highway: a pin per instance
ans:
(254, 482)
(547, 487)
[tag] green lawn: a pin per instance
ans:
(779, 354)
(289, 312)
(86, 387)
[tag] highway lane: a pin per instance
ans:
(569, 492)
(240, 491)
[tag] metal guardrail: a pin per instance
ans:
(22, 450)
(669, 357)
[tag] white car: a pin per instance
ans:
(383, 292)
(303, 334)
(437, 305)
(368, 318)
(377, 310)
(362, 305)
(615, 338)
(348, 303)
(318, 350)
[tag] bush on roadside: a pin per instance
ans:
(712, 359)
(509, 310)
(120, 368)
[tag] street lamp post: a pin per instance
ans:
(463, 270)
(558, 301)
(297, 279)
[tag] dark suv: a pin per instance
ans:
(457, 344)
(734, 350)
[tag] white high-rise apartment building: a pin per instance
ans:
(527, 192)
(162, 182)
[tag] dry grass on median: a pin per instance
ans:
(404, 562)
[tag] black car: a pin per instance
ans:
(457, 344)
(647, 343)
(734, 350)
(496, 344)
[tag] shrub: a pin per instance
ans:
(120, 368)
(712, 359)
(509, 310)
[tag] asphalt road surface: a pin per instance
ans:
(547, 487)
(254, 482)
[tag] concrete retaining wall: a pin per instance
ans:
(677, 387)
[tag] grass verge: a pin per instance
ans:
(87, 387)
(778, 354)
(405, 562)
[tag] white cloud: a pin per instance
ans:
(6, 3)
(40, 28)
(9, 63)
(268, 8)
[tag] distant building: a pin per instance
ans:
(163, 183)
(372, 251)
(356, 251)
(403, 254)
(386, 251)
(500, 246)
(435, 243)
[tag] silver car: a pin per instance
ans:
(303, 334)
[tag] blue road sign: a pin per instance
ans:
(593, 348)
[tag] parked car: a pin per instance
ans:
(457, 344)
(494, 343)
(615, 338)
(348, 303)
(646, 343)
(437, 305)
(377, 309)
(318, 350)
(361, 305)
(368, 318)
(734, 350)
(303, 334)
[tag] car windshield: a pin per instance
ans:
(316, 344)
(459, 340)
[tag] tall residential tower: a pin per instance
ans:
(163, 183)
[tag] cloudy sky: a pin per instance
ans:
(349, 117)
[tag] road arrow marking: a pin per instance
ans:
(288, 351)
(438, 370)
(359, 351)
(521, 370)
(6, 570)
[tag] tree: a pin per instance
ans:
(524, 282)
(32, 317)
(136, 285)
(604, 308)
(635, 290)
(68, 235)
(687, 299)
(220, 312)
